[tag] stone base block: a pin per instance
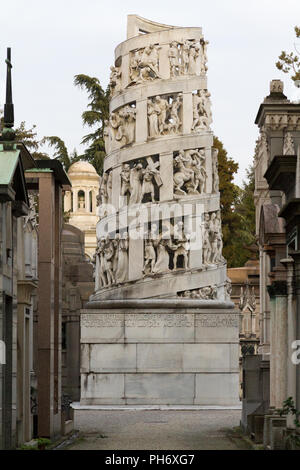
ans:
(169, 352)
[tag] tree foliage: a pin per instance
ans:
(94, 117)
(61, 152)
(237, 209)
(290, 63)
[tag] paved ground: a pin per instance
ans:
(157, 430)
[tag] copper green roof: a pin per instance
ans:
(8, 163)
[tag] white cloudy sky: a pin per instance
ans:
(54, 40)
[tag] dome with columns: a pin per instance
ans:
(81, 202)
(82, 167)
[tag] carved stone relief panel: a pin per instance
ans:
(189, 172)
(122, 126)
(144, 64)
(140, 181)
(202, 116)
(164, 115)
(212, 238)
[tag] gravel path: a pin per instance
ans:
(157, 430)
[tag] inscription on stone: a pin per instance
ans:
(102, 320)
(219, 320)
(159, 320)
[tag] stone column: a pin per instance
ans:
(187, 113)
(141, 130)
(164, 64)
(278, 343)
(125, 79)
(291, 336)
(166, 169)
(296, 257)
(116, 187)
(45, 375)
(87, 200)
(208, 169)
(67, 201)
(75, 199)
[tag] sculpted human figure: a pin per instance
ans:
(162, 107)
(179, 244)
(203, 55)
(206, 240)
(200, 174)
(125, 180)
(129, 117)
(102, 197)
(150, 256)
(174, 113)
(182, 172)
(122, 269)
(201, 110)
(122, 123)
(215, 174)
(219, 236)
(101, 263)
(214, 232)
(115, 243)
(136, 176)
(162, 262)
(150, 59)
(109, 187)
(205, 95)
(193, 54)
(108, 260)
(148, 175)
(106, 136)
(144, 64)
(174, 58)
(115, 79)
(117, 125)
(153, 113)
(134, 66)
(185, 48)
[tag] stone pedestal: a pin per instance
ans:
(172, 352)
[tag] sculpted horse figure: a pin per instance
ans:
(182, 175)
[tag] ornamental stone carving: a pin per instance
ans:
(144, 64)
(122, 125)
(212, 238)
(202, 117)
(189, 172)
(164, 115)
(288, 144)
(112, 260)
(115, 80)
(161, 252)
(205, 293)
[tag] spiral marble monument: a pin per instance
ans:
(160, 327)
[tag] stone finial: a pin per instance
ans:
(276, 86)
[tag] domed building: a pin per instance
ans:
(81, 202)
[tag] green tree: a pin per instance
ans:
(237, 209)
(28, 137)
(245, 210)
(290, 63)
(94, 117)
(227, 168)
(61, 152)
